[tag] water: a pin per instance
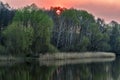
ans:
(76, 70)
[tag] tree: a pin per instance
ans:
(101, 24)
(42, 25)
(98, 40)
(115, 38)
(6, 17)
(65, 32)
(83, 45)
(85, 20)
(18, 39)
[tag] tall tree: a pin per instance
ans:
(98, 40)
(18, 39)
(42, 25)
(115, 38)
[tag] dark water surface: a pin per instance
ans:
(36, 70)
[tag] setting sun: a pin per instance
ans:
(58, 12)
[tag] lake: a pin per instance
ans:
(95, 69)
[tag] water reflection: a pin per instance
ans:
(75, 61)
(84, 71)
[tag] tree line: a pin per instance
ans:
(33, 31)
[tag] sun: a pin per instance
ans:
(58, 10)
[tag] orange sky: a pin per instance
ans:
(107, 9)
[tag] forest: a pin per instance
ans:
(33, 31)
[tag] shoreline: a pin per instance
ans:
(62, 56)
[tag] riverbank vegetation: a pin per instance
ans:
(33, 31)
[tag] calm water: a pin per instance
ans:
(35, 70)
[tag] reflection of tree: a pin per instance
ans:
(116, 69)
(46, 73)
(94, 71)
(72, 72)
(26, 72)
(99, 71)
(33, 71)
(18, 72)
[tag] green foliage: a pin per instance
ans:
(115, 39)
(83, 45)
(117, 45)
(18, 38)
(52, 49)
(43, 31)
(42, 26)
(84, 16)
(33, 31)
(99, 41)
(71, 16)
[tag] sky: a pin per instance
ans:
(106, 9)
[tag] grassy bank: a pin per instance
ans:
(64, 56)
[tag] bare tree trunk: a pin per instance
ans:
(60, 32)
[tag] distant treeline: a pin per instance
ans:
(31, 31)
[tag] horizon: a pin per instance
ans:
(107, 10)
